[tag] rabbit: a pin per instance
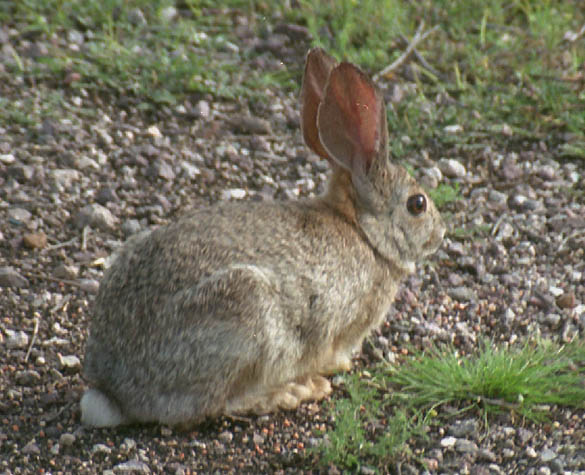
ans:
(247, 307)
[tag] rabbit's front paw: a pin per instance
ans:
(336, 361)
(305, 389)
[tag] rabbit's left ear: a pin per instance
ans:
(318, 67)
(351, 121)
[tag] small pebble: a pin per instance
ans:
(233, 194)
(508, 453)
(154, 131)
(364, 470)
(451, 168)
(130, 227)
(448, 442)
(567, 300)
(547, 455)
(67, 439)
(251, 125)
(91, 286)
(96, 216)
(7, 158)
(105, 195)
(28, 377)
(136, 17)
(168, 14)
(258, 439)
(465, 446)
(462, 294)
(191, 171)
(524, 435)
(132, 466)
(84, 162)
(486, 455)
(100, 448)
(552, 319)
(463, 428)
(35, 240)
(225, 437)
(16, 339)
(20, 215)
(69, 362)
(21, 173)
(64, 178)
(453, 129)
(66, 271)
(202, 109)
(31, 448)
(128, 444)
(161, 169)
(496, 197)
(530, 452)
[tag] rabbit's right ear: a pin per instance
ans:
(318, 67)
(352, 121)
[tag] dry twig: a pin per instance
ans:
(33, 339)
(419, 36)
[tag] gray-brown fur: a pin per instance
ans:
(241, 307)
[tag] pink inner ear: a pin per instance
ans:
(349, 118)
(317, 69)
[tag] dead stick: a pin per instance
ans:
(33, 339)
(418, 37)
(423, 62)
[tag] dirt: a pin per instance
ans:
(512, 266)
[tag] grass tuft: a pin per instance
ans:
(520, 379)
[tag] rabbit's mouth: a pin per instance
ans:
(434, 242)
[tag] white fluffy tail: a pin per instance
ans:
(97, 410)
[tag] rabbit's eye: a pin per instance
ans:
(416, 204)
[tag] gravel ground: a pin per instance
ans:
(73, 188)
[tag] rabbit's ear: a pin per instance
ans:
(318, 66)
(352, 120)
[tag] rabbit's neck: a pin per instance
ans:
(340, 195)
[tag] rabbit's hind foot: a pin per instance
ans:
(286, 397)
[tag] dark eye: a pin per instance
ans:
(416, 204)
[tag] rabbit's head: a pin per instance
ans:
(343, 119)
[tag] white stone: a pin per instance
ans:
(16, 339)
(233, 194)
(7, 158)
(154, 131)
(448, 442)
(451, 168)
(453, 129)
(69, 362)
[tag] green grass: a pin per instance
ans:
(519, 379)
(358, 31)
(528, 381)
(444, 194)
(368, 430)
(497, 65)
(155, 60)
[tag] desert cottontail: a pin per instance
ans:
(243, 307)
